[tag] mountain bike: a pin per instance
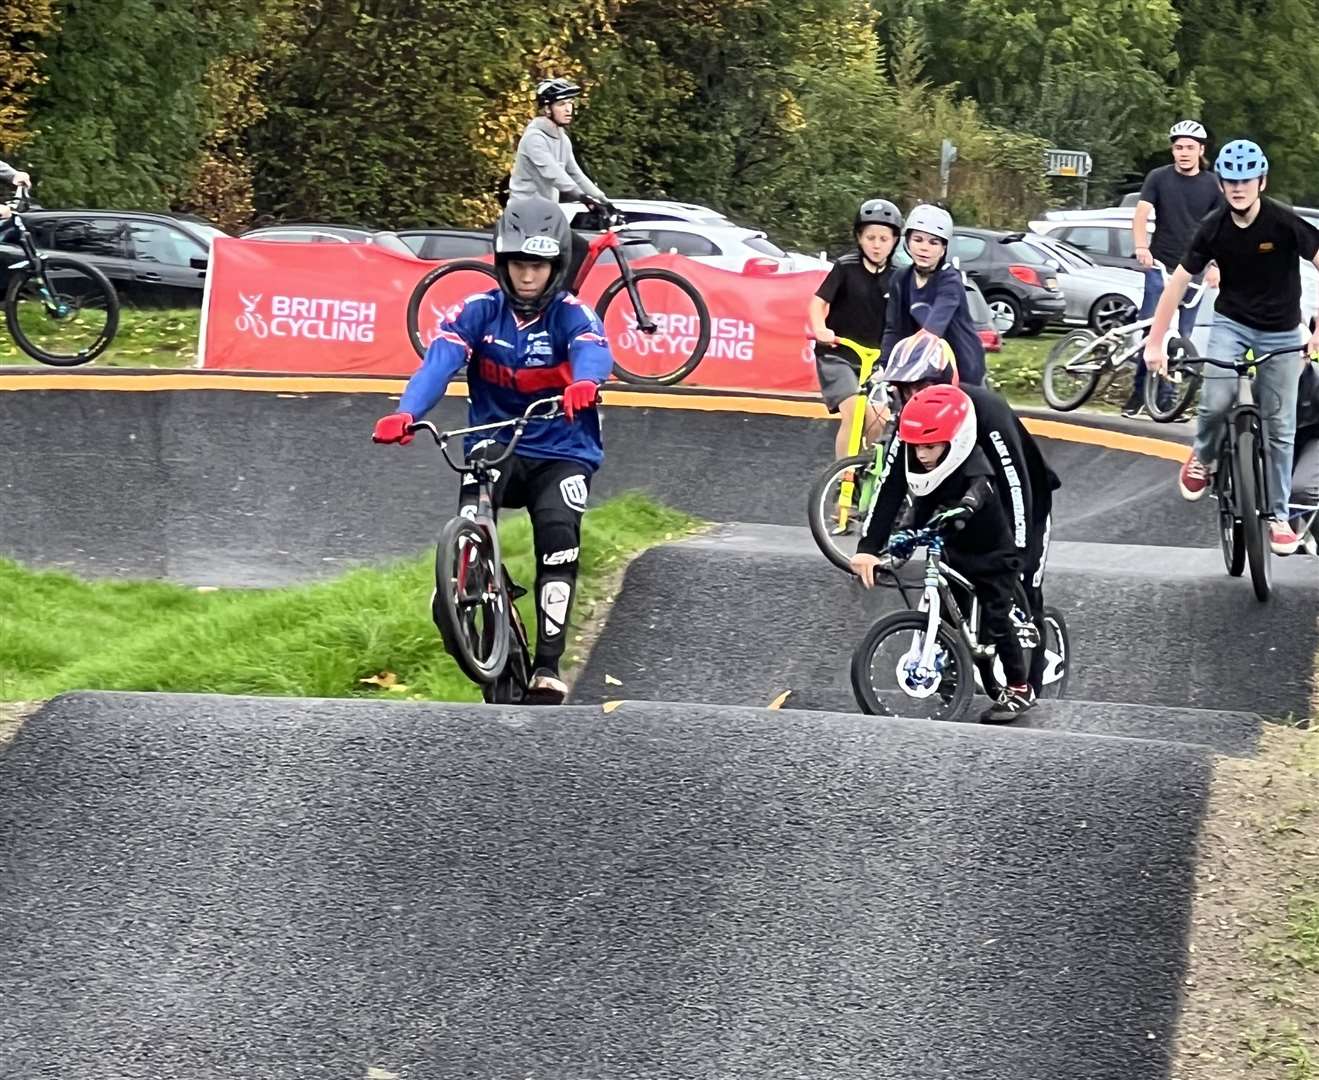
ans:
(1082, 360)
(60, 311)
(1240, 484)
(661, 316)
(926, 662)
(843, 493)
(474, 604)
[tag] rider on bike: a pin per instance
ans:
(523, 341)
(11, 175)
(952, 487)
(1257, 244)
(1023, 480)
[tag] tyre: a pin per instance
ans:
(1033, 329)
(1169, 393)
(883, 670)
(1057, 655)
(470, 605)
(1006, 312)
(510, 686)
(1231, 535)
(73, 326)
(665, 344)
(1110, 310)
(422, 292)
(1248, 466)
(825, 502)
(1072, 370)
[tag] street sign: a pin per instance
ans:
(1066, 163)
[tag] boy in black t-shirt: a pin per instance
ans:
(850, 303)
(1257, 244)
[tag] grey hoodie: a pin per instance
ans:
(546, 166)
(7, 172)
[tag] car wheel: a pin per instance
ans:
(1006, 313)
(1031, 329)
(1109, 311)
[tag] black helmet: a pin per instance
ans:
(878, 212)
(551, 90)
(532, 228)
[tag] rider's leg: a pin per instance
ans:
(996, 598)
(1305, 476)
(839, 383)
(1228, 340)
(1276, 386)
(557, 491)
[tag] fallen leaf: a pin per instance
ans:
(777, 703)
(611, 681)
(385, 679)
(610, 706)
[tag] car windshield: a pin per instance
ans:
(1066, 255)
(759, 243)
(1024, 252)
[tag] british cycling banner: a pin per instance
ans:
(341, 309)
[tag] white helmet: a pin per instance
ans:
(1188, 129)
(931, 219)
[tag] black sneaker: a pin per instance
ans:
(1133, 412)
(546, 688)
(1011, 703)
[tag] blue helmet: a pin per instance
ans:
(1241, 159)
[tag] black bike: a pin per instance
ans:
(61, 311)
(1241, 476)
(474, 604)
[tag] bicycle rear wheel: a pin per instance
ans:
(827, 505)
(660, 331)
(1169, 393)
(1072, 370)
(884, 678)
(72, 325)
(439, 292)
(470, 606)
(1248, 463)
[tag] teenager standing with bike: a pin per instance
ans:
(1182, 194)
(525, 340)
(850, 303)
(1257, 244)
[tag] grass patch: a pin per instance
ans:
(315, 640)
(147, 337)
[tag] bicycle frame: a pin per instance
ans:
(31, 256)
(610, 240)
(1124, 351)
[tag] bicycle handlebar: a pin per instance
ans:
(541, 409)
(22, 198)
(1239, 366)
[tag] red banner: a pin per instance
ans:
(342, 309)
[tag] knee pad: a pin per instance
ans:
(558, 536)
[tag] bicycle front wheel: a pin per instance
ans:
(838, 503)
(470, 606)
(1169, 393)
(1072, 371)
(1231, 534)
(69, 321)
(439, 292)
(886, 675)
(658, 326)
(1248, 463)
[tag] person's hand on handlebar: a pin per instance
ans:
(393, 429)
(864, 567)
(1156, 353)
(582, 394)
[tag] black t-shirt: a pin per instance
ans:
(1260, 272)
(1180, 204)
(856, 300)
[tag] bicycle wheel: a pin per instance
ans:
(884, 678)
(1169, 393)
(438, 292)
(1248, 463)
(470, 606)
(1072, 370)
(826, 505)
(71, 327)
(1231, 535)
(510, 686)
(660, 335)
(1057, 655)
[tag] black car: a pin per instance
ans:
(1020, 283)
(152, 259)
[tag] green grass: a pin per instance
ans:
(147, 337)
(317, 640)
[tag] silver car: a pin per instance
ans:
(1099, 297)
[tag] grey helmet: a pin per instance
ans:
(878, 212)
(532, 228)
(548, 91)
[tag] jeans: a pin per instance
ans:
(1149, 301)
(1276, 384)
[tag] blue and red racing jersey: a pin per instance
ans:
(510, 364)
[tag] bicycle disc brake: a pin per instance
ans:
(909, 678)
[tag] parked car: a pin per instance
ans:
(1100, 297)
(313, 233)
(729, 247)
(650, 210)
(982, 316)
(152, 259)
(1107, 240)
(1019, 283)
(443, 244)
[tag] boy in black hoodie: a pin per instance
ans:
(951, 483)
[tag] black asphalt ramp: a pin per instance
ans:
(226, 887)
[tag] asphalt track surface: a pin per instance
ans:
(684, 886)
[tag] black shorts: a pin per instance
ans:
(536, 485)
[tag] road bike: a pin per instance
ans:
(60, 311)
(926, 662)
(475, 600)
(1082, 360)
(657, 314)
(841, 497)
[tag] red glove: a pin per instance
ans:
(393, 428)
(583, 394)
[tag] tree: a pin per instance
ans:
(23, 28)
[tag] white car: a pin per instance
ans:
(1099, 297)
(729, 247)
(651, 210)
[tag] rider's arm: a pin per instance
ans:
(538, 148)
(817, 311)
(588, 348)
(1140, 223)
(446, 356)
(898, 322)
(949, 295)
(1173, 293)
(7, 172)
(584, 183)
(888, 502)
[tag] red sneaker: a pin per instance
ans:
(1194, 478)
(1282, 539)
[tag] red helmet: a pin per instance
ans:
(937, 414)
